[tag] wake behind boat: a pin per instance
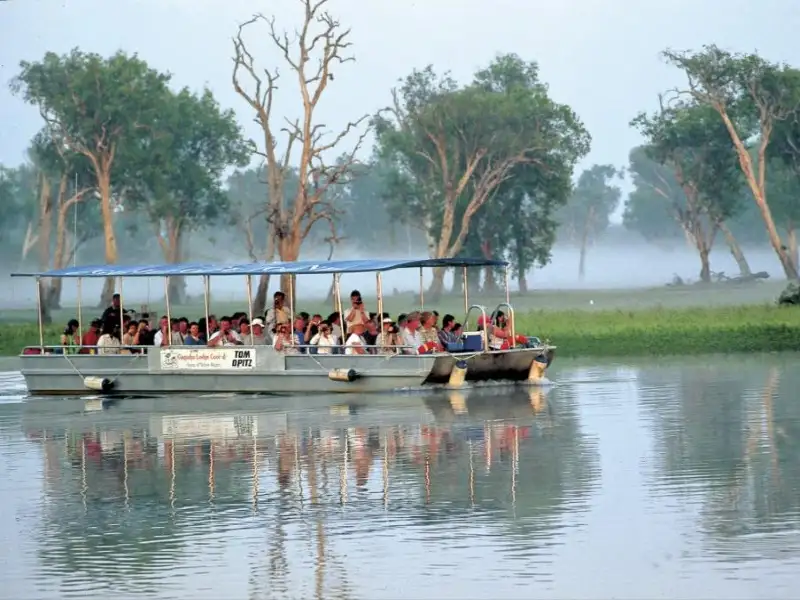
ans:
(488, 348)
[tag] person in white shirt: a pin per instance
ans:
(161, 338)
(411, 338)
(226, 336)
(324, 340)
(284, 341)
(355, 344)
(356, 314)
(259, 336)
(109, 342)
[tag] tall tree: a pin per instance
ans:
(766, 93)
(693, 143)
(454, 147)
(318, 48)
(177, 179)
(98, 108)
(586, 214)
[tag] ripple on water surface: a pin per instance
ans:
(669, 480)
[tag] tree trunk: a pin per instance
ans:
(45, 229)
(436, 288)
(791, 243)
(260, 299)
(53, 290)
(522, 281)
(489, 279)
(705, 264)
(458, 281)
(758, 191)
(736, 250)
(104, 188)
(289, 251)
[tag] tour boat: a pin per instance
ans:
(262, 369)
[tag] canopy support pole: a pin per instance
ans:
(206, 291)
(508, 290)
(421, 290)
(80, 312)
(121, 313)
(379, 278)
(250, 307)
(169, 317)
(466, 290)
(337, 284)
(39, 313)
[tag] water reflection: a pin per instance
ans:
(727, 438)
(156, 487)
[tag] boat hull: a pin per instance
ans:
(270, 372)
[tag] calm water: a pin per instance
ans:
(678, 480)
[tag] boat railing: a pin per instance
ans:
(484, 334)
(59, 350)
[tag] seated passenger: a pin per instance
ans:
(284, 341)
(312, 328)
(500, 334)
(446, 333)
(226, 336)
(335, 321)
(70, 339)
(194, 337)
(324, 340)
(371, 334)
(355, 343)
(388, 341)
(412, 340)
(162, 336)
(259, 337)
(109, 342)
(242, 327)
(428, 333)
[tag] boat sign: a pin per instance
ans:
(212, 359)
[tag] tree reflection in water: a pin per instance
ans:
(731, 430)
(141, 496)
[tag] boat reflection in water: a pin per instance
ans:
(140, 488)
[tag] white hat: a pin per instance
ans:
(258, 322)
(387, 320)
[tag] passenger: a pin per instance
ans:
(244, 331)
(194, 337)
(284, 340)
(146, 334)
(278, 314)
(312, 328)
(324, 340)
(300, 333)
(401, 322)
(335, 321)
(428, 333)
(109, 342)
(458, 330)
(162, 336)
(176, 338)
(226, 336)
(259, 336)
(371, 334)
(388, 340)
(357, 313)
(129, 337)
(89, 340)
(500, 334)
(412, 340)
(112, 313)
(183, 327)
(69, 339)
(355, 343)
(447, 335)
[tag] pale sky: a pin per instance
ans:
(600, 57)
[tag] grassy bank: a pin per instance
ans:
(618, 332)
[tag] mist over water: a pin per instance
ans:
(634, 264)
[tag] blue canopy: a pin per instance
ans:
(302, 267)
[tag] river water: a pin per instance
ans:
(669, 479)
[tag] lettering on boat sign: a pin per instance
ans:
(207, 359)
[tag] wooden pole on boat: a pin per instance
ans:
(291, 309)
(466, 290)
(169, 318)
(250, 307)
(337, 285)
(80, 312)
(206, 291)
(421, 290)
(379, 278)
(39, 313)
(508, 290)
(121, 313)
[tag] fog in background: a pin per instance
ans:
(601, 58)
(609, 265)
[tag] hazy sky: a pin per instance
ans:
(601, 57)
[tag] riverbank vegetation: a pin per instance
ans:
(129, 167)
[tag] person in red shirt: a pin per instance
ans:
(90, 337)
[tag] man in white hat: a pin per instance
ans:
(259, 335)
